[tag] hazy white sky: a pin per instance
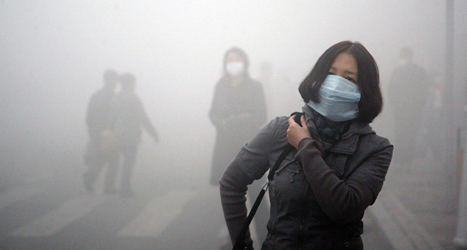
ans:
(54, 52)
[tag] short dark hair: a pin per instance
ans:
(239, 52)
(371, 101)
(110, 77)
(406, 53)
(127, 80)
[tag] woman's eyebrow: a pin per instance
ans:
(347, 71)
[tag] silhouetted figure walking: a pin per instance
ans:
(97, 155)
(408, 93)
(128, 120)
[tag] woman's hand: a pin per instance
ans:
(295, 132)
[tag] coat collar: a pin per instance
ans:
(349, 141)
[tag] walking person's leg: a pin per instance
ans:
(94, 160)
(112, 171)
(129, 159)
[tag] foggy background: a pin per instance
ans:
(53, 54)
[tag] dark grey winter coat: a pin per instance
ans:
(317, 200)
(237, 112)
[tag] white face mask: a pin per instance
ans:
(338, 99)
(234, 68)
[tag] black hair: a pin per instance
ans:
(371, 101)
(239, 52)
(110, 77)
(127, 80)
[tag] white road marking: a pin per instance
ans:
(17, 194)
(158, 214)
(53, 222)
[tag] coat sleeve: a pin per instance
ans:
(92, 116)
(344, 200)
(259, 109)
(216, 114)
(146, 122)
(250, 163)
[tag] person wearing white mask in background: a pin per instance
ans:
(238, 111)
(337, 167)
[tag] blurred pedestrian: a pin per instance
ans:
(238, 111)
(128, 120)
(96, 155)
(321, 189)
(408, 91)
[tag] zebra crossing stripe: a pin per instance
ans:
(54, 221)
(158, 214)
(13, 195)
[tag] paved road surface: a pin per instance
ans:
(54, 212)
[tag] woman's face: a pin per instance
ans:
(345, 66)
(233, 57)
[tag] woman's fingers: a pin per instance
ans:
(292, 120)
(295, 132)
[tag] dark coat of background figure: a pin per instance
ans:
(408, 95)
(237, 113)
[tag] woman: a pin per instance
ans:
(320, 191)
(238, 110)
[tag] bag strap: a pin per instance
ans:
(240, 240)
(285, 152)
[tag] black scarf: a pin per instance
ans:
(329, 132)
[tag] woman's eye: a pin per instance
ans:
(350, 79)
(330, 73)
